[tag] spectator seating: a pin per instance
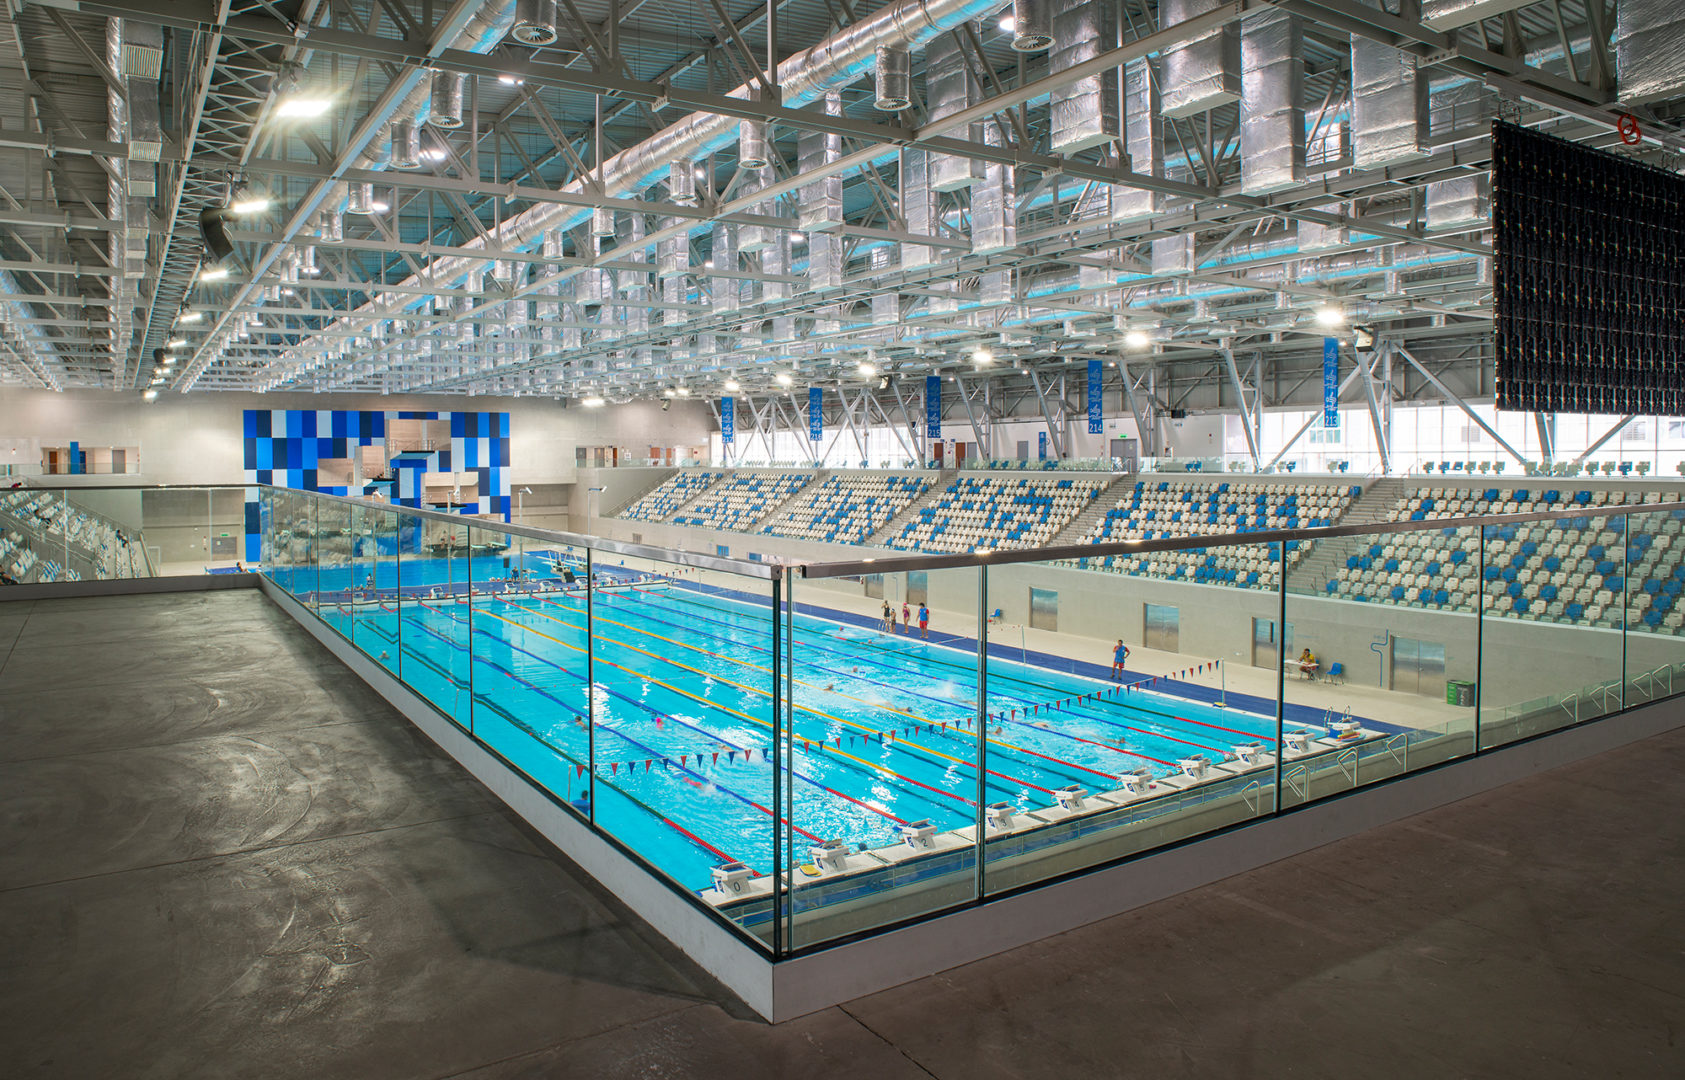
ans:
(1167, 509)
(847, 509)
(996, 513)
(672, 493)
(743, 500)
(1578, 570)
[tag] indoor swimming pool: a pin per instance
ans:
(680, 727)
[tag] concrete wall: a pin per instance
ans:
(197, 438)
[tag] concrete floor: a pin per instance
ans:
(222, 856)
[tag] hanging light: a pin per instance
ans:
(243, 200)
(297, 98)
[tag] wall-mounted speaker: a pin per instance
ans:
(213, 229)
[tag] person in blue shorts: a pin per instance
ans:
(1119, 655)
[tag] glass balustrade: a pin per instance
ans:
(789, 749)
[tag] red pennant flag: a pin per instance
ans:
(614, 768)
(579, 770)
(647, 763)
(839, 742)
(716, 757)
(684, 761)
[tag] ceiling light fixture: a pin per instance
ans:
(150, 395)
(733, 385)
(782, 379)
(867, 369)
(192, 316)
(1328, 315)
(246, 201)
(981, 356)
(214, 273)
(1137, 339)
(296, 99)
(592, 402)
(176, 343)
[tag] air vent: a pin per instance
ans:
(142, 61)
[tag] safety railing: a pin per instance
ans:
(812, 751)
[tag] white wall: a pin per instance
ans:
(197, 438)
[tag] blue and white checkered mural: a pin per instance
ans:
(283, 446)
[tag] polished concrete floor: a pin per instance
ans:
(222, 856)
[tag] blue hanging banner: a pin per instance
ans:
(1041, 446)
(728, 420)
(1330, 382)
(815, 414)
(1095, 427)
(933, 406)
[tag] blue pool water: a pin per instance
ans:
(684, 690)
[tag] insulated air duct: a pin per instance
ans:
(1031, 29)
(406, 144)
(994, 204)
(535, 22)
(1087, 112)
(894, 78)
(1203, 72)
(752, 149)
(362, 199)
(726, 296)
(1461, 203)
(1272, 96)
(1143, 139)
(332, 228)
(950, 87)
(1454, 14)
(1649, 49)
(820, 204)
(450, 89)
(1389, 105)
(681, 184)
(918, 206)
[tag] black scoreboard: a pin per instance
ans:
(1588, 278)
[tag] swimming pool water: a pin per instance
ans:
(883, 724)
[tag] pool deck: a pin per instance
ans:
(222, 855)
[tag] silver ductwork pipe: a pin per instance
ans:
(841, 59)
(1272, 102)
(1454, 14)
(681, 184)
(1173, 255)
(602, 222)
(362, 199)
(1461, 203)
(1649, 49)
(1031, 28)
(332, 228)
(950, 87)
(726, 290)
(918, 206)
(775, 260)
(994, 204)
(448, 100)
(886, 304)
(1143, 140)
(406, 144)
(1317, 237)
(824, 262)
(535, 22)
(1389, 105)
(820, 204)
(1088, 112)
(893, 82)
(1203, 72)
(753, 239)
(672, 255)
(753, 149)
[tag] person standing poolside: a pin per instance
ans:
(924, 621)
(1119, 655)
(906, 618)
(888, 624)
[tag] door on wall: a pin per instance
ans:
(1266, 651)
(959, 453)
(1418, 667)
(1044, 609)
(1023, 450)
(1163, 628)
(1124, 450)
(874, 586)
(918, 587)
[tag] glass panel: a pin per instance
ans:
(374, 585)
(885, 778)
(1379, 678)
(335, 580)
(1655, 647)
(1128, 744)
(685, 665)
(1546, 665)
(433, 571)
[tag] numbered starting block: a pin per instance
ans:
(1345, 729)
(1299, 741)
(998, 815)
(919, 835)
(831, 856)
(732, 879)
(1138, 781)
(1249, 753)
(1070, 797)
(1196, 766)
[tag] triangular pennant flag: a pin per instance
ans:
(648, 763)
(716, 757)
(731, 757)
(579, 770)
(684, 761)
(614, 768)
